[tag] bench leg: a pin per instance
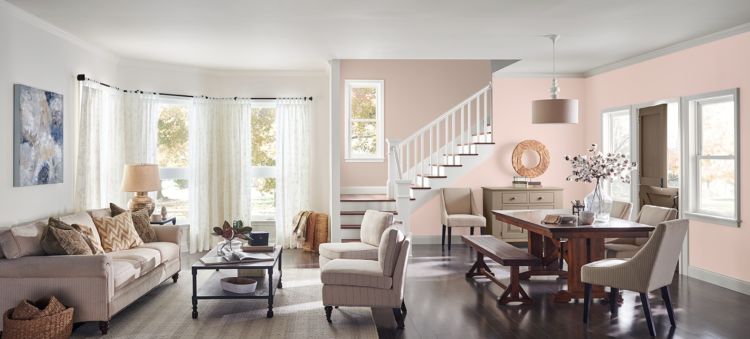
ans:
(478, 267)
(514, 292)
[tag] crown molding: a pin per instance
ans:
(501, 74)
(37, 22)
(669, 49)
(212, 72)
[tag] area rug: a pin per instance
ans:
(298, 313)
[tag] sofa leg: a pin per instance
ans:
(104, 327)
(403, 308)
(175, 277)
(329, 310)
(399, 317)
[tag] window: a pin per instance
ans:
(263, 143)
(712, 157)
(172, 157)
(616, 139)
(363, 102)
(673, 144)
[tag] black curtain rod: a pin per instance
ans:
(82, 77)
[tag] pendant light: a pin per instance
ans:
(554, 110)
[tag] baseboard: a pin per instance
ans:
(363, 190)
(718, 279)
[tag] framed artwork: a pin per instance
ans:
(37, 136)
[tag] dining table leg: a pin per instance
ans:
(581, 251)
(548, 251)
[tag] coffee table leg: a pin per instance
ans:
(280, 274)
(269, 314)
(195, 293)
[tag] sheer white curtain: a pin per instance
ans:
(219, 160)
(292, 165)
(115, 128)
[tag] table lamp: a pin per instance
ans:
(141, 179)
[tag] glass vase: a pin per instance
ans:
(599, 202)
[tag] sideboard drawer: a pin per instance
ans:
(515, 197)
(541, 197)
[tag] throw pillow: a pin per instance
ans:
(117, 233)
(61, 238)
(93, 241)
(141, 221)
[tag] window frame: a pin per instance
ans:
(631, 126)
(173, 173)
(691, 156)
(379, 120)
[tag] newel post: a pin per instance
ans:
(394, 172)
(403, 204)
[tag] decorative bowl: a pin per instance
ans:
(238, 285)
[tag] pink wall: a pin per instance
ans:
(512, 99)
(718, 65)
(416, 92)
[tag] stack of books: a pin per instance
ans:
(254, 249)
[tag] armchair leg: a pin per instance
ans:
(329, 310)
(443, 238)
(668, 302)
(614, 293)
(450, 231)
(104, 327)
(399, 317)
(647, 313)
(175, 277)
(403, 308)
(586, 302)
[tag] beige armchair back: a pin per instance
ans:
(621, 209)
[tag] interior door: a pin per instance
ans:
(652, 128)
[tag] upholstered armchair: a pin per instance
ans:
(621, 210)
(627, 247)
(651, 268)
(459, 209)
(370, 283)
(372, 227)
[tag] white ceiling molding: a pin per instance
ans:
(669, 49)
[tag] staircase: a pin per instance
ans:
(426, 161)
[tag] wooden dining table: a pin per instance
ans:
(584, 244)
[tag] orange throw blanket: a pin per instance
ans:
(316, 232)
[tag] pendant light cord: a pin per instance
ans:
(554, 90)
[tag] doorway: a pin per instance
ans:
(658, 155)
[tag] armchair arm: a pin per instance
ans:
(168, 233)
(56, 266)
(443, 209)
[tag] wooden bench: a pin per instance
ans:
(504, 254)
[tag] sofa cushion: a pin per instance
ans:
(141, 222)
(350, 272)
(86, 224)
(147, 258)
(125, 271)
(390, 245)
(348, 250)
(23, 240)
(117, 233)
(373, 224)
(167, 250)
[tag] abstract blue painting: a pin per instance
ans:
(38, 137)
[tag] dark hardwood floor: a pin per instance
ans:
(442, 303)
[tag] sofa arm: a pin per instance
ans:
(57, 266)
(171, 234)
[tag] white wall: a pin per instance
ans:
(37, 54)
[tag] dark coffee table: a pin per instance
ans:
(211, 289)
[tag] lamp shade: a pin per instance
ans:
(554, 111)
(141, 178)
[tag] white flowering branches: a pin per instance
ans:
(595, 166)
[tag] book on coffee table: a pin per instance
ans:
(236, 257)
(254, 249)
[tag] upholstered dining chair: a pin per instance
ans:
(659, 196)
(459, 209)
(621, 210)
(627, 247)
(368, 283)
(650, 269)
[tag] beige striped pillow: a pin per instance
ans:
(117, 233)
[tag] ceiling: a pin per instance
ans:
(304, 34)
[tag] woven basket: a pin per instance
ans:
(56, 326)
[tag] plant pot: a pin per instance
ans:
(239, 285)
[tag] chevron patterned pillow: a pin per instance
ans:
(117, 233)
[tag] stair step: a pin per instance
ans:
(448, 165)
(461, 154)
(421, 188)
(363, 212)
(366, 198)
(478, 143)
(351, 227)
(434, 176)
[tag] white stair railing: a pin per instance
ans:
(420, 155)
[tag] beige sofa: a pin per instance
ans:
(97, 286)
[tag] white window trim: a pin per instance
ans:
(379, 118)
(633, 153)
(690, 157)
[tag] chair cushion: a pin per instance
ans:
(348, 250)
(603, 272)
(23, 240)
(373, 225)
(621, 250)
(167, 250)
(146, 258)
(466, 220)
(125, 271)
(351, 272)
(390, 245)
